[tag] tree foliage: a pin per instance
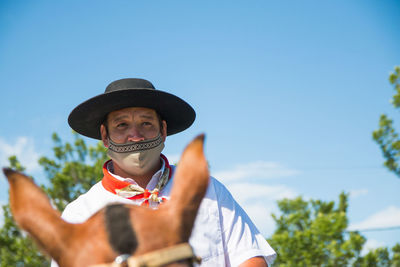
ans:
(313, 233)
(386, 135)
(72, 170)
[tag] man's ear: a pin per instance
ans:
(163, 130)
(104, 135)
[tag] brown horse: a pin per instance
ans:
(148, 237)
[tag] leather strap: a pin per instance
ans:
(158, 258)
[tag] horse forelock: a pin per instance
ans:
(121, 236)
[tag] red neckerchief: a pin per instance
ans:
(111, 184)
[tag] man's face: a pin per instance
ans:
(132, 125)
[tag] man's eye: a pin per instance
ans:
(121, 125)
(146, 123)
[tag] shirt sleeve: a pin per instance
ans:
(75, 213)
(241, 238)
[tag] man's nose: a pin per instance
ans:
(135, 135)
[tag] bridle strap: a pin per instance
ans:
(158, 258)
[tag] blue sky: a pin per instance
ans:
(287, 92)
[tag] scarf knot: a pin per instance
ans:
(134, 191)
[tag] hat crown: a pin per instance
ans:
(129, 83)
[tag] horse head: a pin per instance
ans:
(133, 234)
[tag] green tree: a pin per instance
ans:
(72, 171)
(396, 255)
(380, 257)
(313, 233)
(386, 136)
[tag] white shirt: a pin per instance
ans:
(223, 234)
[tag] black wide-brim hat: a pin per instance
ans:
(87, 117)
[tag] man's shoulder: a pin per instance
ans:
(87, 204)
(215, 187)
(221, 191)
(96, 190)
(217, 184)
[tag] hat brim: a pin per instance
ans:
(87, 117)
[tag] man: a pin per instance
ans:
(133, 119)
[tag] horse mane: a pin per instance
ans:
(119, 229)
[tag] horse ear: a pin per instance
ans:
(33, 212)
(190, 183)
